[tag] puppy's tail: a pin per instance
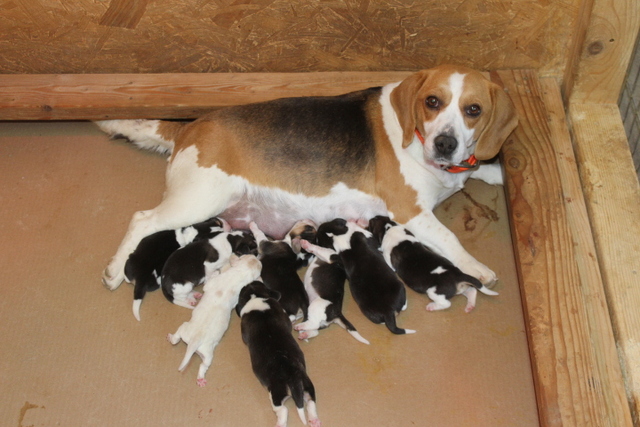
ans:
(154, 135)
(342, 321)
(390, 322)
(478, 285)
(299, 386)
(141, 285)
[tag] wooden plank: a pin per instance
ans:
(581, 26)
(607, 50)
(103, 96)
(186, 36)
(612, 193)
(592, 286)
(567, 323)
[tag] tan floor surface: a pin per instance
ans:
(73, 354)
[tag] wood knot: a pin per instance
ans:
(514, 162)
(595, 48)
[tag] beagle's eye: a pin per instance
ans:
(433, 102)
(473, 110)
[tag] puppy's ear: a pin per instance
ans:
(404, 102)
(502, 122)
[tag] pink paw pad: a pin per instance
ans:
(315, 423)
(303, 335)
(201, 382)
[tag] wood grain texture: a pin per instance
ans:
(95, 96)
(605, 55)
(570, 347)
(594, 292)
(58, 36)
(613, 200)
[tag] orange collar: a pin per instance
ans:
(470, 164)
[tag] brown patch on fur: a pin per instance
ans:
(170, 131)
(390, 185)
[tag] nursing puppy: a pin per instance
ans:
(324, 282)
(144, 266)
(210, 319)
(192, 264)
(280, 263)
(276, 358)
(402, 148)
(376, 289)
(423, 270)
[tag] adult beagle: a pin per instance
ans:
(396, 150)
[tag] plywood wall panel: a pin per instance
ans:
(145, 36)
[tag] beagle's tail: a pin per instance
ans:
(153, 135)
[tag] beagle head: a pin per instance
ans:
(455, 112)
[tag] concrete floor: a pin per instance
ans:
(73, 354)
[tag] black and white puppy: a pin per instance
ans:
(192, 264)
(210, 319)
(376, 289)
(280, 262)
(423, 270)
(324, 282)
(276, 357)
(144, 266)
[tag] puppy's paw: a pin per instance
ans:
(314, 422)
(432, 306)
(303, 335)
(201, 382)
(469, 308)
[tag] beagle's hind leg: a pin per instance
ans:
(193, 194)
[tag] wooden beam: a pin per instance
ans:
(613, 199)
(111, 96)
(576, 369)
(607, 49)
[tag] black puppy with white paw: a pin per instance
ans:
(276, 357)
(144, 266)
(324, 282)
(376, 289)
(423, 270)
(281, 260)
(194, 263)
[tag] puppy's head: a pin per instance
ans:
(255, 289)
(242, 243)
(379, 225)
(457, 111)
(326, 231)
(305, 229)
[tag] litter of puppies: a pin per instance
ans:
(259, 278)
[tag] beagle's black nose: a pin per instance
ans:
(445, 144)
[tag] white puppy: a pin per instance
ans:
(210, 318)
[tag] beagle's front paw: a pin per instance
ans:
(112, 276)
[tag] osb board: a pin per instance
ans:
(117, 36)
(74, 355)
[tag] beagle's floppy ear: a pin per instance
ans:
(403, 100)
(502, 122)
